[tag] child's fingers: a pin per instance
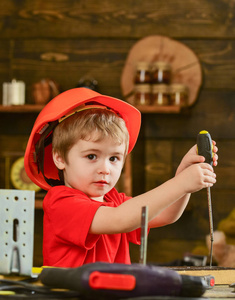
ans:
(215, 149)
(215, 156)
(209, 177)
(206, 166)
(215, 159)
(193, 159)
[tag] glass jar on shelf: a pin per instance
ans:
(142, 94)
(143, 73)
(178, 94)
(160, 94)
(161, 72)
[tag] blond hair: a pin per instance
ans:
(82, 125)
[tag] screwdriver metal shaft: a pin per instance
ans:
(211, 222)
(144, 235)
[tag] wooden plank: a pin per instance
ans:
(21, 108)
(195, 217)
(104, 60)
(151, 109)
(225, 168)
(159, 168)
(222, 291)
(67, 18)
(38, 238)
(217, 59)
(222, 276)
(100, 59)
(158, 163)
(213, 111)
(5, 59)
(15, 144)
(38, 204)
(138, 164)
(17, 124)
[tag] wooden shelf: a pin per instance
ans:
(27, 108)
(148, 109)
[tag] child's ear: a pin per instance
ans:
(58, 161)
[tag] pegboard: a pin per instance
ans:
(16, 231)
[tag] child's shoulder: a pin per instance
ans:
(116, 197)
(62, 192)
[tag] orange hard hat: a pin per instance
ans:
(38, 159)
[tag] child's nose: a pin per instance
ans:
(104, 168)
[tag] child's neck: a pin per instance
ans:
(99, 199)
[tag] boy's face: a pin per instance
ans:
(92, 167)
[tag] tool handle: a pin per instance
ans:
(205, 146)
(115, 281)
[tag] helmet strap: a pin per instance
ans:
(44, 141)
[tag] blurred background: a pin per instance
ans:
(52, 46)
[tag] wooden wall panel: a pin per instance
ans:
(33, 59)
(66, 61)
(158, 163)
(213, 111)
(157, 174)
(116, 19)
(11, 147)
(5, 63)
(217, 57)
(16, 124)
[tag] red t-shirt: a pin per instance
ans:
(68, 214)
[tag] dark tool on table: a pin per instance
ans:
(205, 148)
(118, 281)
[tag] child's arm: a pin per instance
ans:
(190, 177)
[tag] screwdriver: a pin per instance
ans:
(144, 235)
(205, 148)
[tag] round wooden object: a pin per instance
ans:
(185, 65)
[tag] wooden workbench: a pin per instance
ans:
(223, 276)
(220, 292)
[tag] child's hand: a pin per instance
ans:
(191, 157)
(215, 155)
(196, 177)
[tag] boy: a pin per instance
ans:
(76, 150)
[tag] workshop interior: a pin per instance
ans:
(172, 60)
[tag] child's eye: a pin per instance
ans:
(113, 158)
(91, 156)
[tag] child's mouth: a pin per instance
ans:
(101, 182)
